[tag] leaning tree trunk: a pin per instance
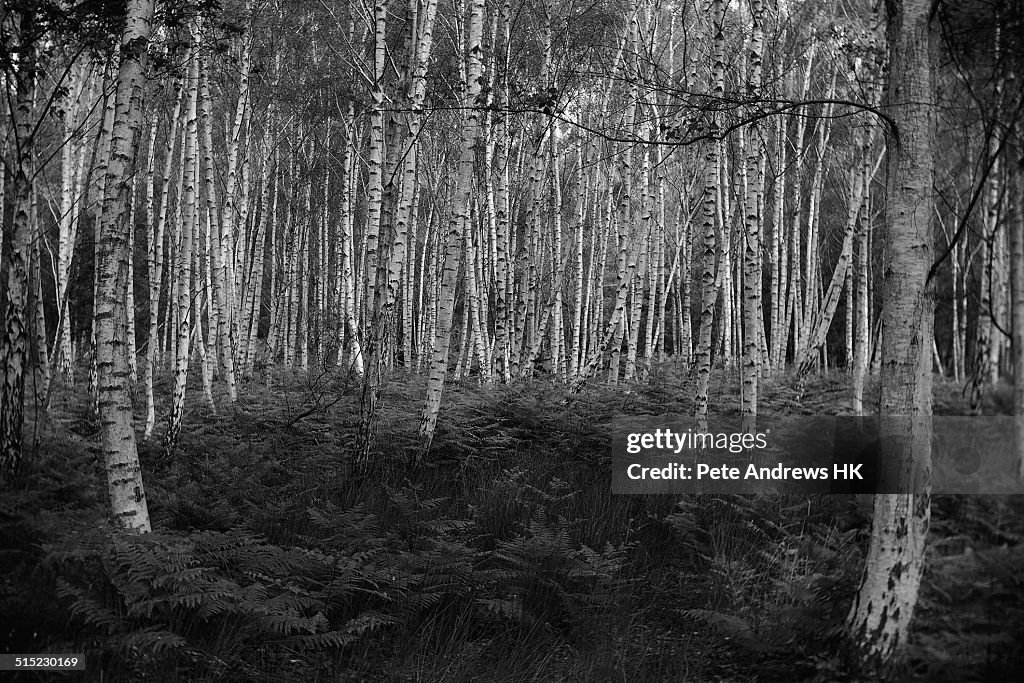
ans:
(880, 618)
(822, 321)
(460, 213)
(117, 428)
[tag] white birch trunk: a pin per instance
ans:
(881, 614)
(121, 460)
(183, 285)
(460, 210)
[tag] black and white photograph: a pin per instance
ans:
(512, 341)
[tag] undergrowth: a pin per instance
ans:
(503, 557)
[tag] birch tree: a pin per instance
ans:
(882, 611)
(157, 222)
(182, 299)
(227, 231)
(860, 280)
(16, 246)
(456, 223)
(73, 154)
(1017, 305)
(117, 428)
(709, 292)
(752, 315)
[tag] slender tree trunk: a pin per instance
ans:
(860, 280)
(289, 285)
(252, 292)
(685, 332)
(957, 313)
(204, 333)
(156, 253)
(638, 298)
(779, 252)
(725, 282)
(557, 327)
(752, 314)
(375, 183)
(38, 311)
(183, 288)
(223, 231)
(130, 346)
(302, 276)
(216, 263)
(408, 286)
(579, 305)
(502, 281)
(795, 298)
(72, 183)
(709, 292)
(623, 216)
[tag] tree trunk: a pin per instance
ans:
(1016, 223)
(881, 614)
(387, 274)
(795, 299)
(183, 285)
(252, 292)
(223, 232)
(778, 250)
(456, 224)
(502, 280)
(124, 474)
(155, 222)
(709, 292)
(752, 314)
(72, 183)
(861, 344)
(375, 183)
(16, 253)
(826, 312)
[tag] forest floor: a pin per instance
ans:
(505, 557)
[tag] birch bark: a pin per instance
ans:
(117, 429)
(881, 614)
